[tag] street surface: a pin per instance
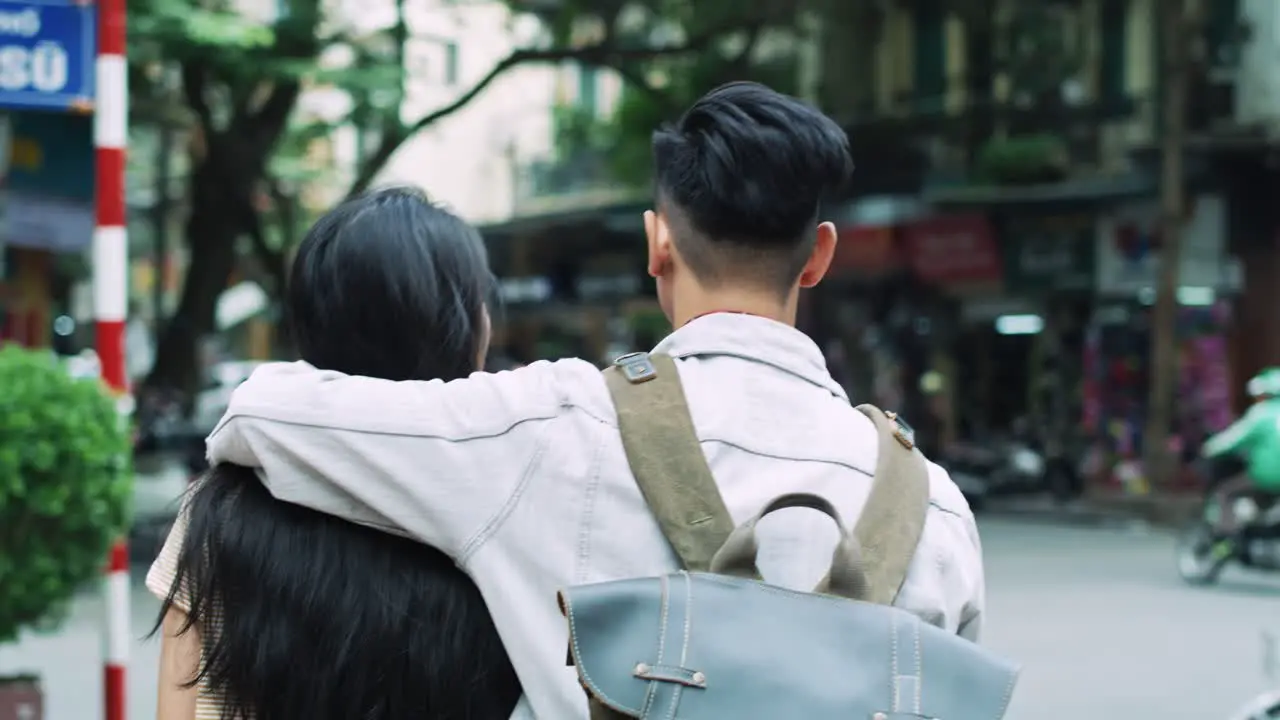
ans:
(1103, 626)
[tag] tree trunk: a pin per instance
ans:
(1164, 341)
(220, 207)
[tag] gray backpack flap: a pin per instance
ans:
(714, 642)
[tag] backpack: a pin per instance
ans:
(713, 641)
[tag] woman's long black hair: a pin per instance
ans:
(317, 618)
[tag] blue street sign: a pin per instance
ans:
(47, 54)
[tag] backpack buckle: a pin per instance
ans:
(636, 367)
(902, 432)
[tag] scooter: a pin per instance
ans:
(1203, 552)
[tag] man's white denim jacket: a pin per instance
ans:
(521, 477)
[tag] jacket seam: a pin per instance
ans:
(491, 526)
(582, 572)
(287, 418)
(791, 458)
(934, 504)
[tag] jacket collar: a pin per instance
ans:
(755, 339)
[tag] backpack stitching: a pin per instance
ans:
(919, 669)
(684, 648)
(893, 650)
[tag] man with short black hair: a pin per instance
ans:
(522, 476)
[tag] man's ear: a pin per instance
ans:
(824, 248)
(658, 235)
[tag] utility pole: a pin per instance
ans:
(1178, 25)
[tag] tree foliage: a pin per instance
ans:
(241, 78)
(64, 486)
(762, 44)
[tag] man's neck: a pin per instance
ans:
(707, 303)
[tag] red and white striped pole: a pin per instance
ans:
(110, 300)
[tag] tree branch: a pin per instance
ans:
(635, 78)
(263, 127)
(194, 80)
(740, 61)
(286, 208)
(272, 261)
(602, 55)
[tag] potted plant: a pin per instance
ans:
(65, 494)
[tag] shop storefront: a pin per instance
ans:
(1118, 343)
(957, 262)
(48, 215)
(572, 284)
(1050, 266)
(863, 313)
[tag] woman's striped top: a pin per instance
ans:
(159, 580)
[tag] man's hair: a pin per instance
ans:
(739, 179)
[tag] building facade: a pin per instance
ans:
(484, 160)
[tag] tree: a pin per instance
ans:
(65, 482)
(241, 81)
(764, 46)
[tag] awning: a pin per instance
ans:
(1072, 192)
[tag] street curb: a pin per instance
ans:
(1072, 518)
(1098, 512)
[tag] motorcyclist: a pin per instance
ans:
(1256, 438)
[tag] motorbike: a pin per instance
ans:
(1203, 552)
(159, 422)
(1009, 466)
(1267, 705)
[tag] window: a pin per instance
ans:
(432, 61)
(1114, 18)
(588, 84)
(930, 55)
(451, 63)
(1222, 33)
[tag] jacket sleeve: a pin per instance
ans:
(435, 461)
(1234, 438)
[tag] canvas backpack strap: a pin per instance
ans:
(892, 521)
(666, 458)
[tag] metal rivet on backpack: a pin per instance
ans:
(699, 678)
(641, 669)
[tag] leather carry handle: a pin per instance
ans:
(666, 457)
(870, 563)
(846, 578)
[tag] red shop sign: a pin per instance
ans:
(953, 249)
(865, 250)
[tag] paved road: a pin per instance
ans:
(1103, 627)
(1106, 630)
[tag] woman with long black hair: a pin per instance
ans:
(276, 612)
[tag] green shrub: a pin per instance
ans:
(65, 489)
(1022, 160)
